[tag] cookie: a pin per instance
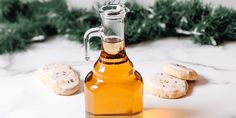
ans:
(46, 69)
(166, 86)
(60, 78)
(180, 71)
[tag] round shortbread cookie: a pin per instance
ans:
(44, 71)
(180, 71)
(60, 78)
(47, 68)
(166, 86)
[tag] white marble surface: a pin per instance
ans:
(213, 95)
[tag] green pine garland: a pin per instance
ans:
(25, 22)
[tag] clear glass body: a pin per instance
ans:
(113, 87)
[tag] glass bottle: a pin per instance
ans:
(113, 87)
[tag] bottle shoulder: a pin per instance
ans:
(113, 70)
(130, 77)
(113, 67)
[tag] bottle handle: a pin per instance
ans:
(93, 32)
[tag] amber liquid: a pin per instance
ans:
(113, 87)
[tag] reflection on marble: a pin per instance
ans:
(167, 113)
(213, 95)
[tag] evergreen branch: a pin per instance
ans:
(23, 22)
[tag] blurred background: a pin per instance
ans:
(90, 3)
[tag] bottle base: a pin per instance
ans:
(136, 115)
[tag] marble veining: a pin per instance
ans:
(204, 65)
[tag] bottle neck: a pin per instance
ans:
(113, 16)
(113, 28)
(113, 50)
(113, 42)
